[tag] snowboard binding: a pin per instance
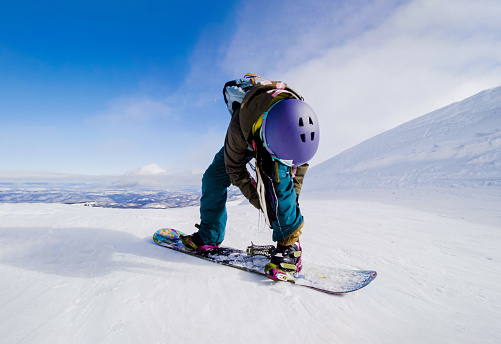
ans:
(272, 271)
(260, 250)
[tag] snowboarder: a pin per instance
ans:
(272, 124)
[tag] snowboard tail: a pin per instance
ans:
(254, 260)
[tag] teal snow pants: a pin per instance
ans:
(215, 183)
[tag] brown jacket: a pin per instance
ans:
(239, 137)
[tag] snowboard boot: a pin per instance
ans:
(194, 242)
(285, 261)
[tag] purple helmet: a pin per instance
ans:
(290, 131)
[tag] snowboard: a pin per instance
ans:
(325, 279)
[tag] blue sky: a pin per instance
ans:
(108, 86)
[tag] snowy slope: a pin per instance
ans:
(74, 274)
(458, 145)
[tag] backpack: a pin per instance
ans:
(234, 91)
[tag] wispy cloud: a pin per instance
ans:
(134, 109)
(366, 68)
(174, 132)
(271, 37)
(425, 56)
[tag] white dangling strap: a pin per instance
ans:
(261, 191)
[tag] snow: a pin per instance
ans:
(81, 274)
(420, 204)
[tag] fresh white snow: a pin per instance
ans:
(420, 204)
(74, 274)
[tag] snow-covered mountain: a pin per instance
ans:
(458, 145)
